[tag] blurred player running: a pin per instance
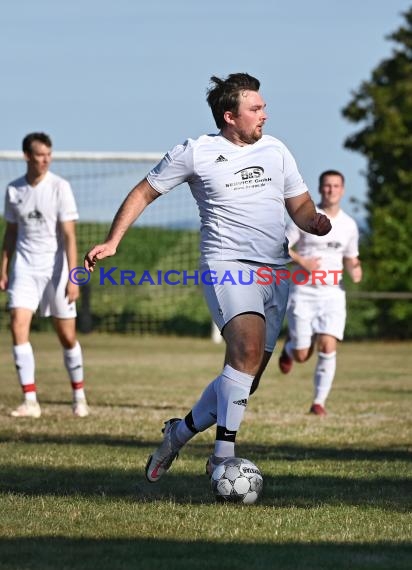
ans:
(316, 312)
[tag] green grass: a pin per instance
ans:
(337, 490)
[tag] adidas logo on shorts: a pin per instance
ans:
(241, 402)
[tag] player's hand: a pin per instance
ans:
(319, 225)
(72, 291)
(97, 253)
(310, 263)
(4, 283)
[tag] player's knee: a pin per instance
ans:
(301, 355)
(253, 353)
(20, 330)
(68, 342)
(247, 357)
(67, 338)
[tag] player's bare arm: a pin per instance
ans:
(9, 246)
(136, 201)
(302, 210)
(354, 268)
(70, 246)
(308, 263)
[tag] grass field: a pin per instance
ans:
(337, 490)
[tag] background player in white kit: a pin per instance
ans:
(241, 181)
(40, 213)
(316, 312)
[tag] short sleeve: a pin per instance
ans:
(67, 204)
(10, 214)
(175, 168)
(294, 184)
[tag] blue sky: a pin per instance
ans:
(132, 75)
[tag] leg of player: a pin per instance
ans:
(24, 361)
(204, 413)
(73, 361)
(226, 397)
(245, 338)
(286, 356)
(290, 355)
(255, 384)
(202, 416)
(177, 432)
(324, 373)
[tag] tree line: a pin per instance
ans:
(382, 107)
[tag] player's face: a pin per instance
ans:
(38, 159)
(331, 190)
(251, 116)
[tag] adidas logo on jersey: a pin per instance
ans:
(241, 402)
(221, 158)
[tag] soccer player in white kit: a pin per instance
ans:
(316, 312)
(241, 180)
(39, 249)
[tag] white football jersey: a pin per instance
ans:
(342, 241)
(240, 193)
(38, 210)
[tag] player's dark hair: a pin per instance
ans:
(223, 95)
(39, 137)
(330, 173)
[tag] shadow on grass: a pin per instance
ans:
(283, 491)
(289, 452)
(49, 553)
(128, 406)
(297, 452)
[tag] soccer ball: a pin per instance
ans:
(237, 480)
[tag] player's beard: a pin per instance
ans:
(251, 137)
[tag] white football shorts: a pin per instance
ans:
(315, 310)
(232, 288)
(43, 292)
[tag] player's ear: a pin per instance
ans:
(229, 117)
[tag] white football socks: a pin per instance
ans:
(73, 361)
(324, 375)
(233, 391)
(223, 402)
(25, 366)
(204, 414)
(205, 410)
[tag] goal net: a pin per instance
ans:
(135, 297)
